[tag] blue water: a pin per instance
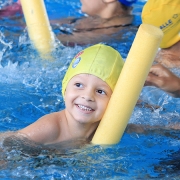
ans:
(31, 87)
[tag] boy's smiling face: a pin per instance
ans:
(86, 98)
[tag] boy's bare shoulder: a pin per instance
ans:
(54, 116)
(47, 129)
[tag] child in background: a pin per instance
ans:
(86, 88)
(104, 22)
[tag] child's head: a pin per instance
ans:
(99, 60)
(164, 14)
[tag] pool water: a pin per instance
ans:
(31, 87)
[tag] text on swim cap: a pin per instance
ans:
(169, 22)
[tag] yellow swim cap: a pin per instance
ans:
(99, 60)
(164, 14)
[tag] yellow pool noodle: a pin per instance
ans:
(129, 85)
(38, 25)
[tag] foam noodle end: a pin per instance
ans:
(38, 26)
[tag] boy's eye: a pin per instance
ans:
(78, 85)
(101, 91)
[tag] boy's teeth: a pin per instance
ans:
(84, 108)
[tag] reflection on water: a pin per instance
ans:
(31, 87)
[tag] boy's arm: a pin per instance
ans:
(45, 130)
(61, 21)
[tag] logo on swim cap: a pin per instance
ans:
(78, 54)
(76, 62)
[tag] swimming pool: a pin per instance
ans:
(31, 88)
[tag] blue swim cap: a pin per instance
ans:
(127, 2)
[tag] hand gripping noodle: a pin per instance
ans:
(99, 60)
(38, 25)
(129, 85)
(164, 14)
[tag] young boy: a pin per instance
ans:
(86, 88)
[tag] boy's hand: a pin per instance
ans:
(163, 78)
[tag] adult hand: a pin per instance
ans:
(163, 78)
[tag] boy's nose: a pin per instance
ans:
(88, 95)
